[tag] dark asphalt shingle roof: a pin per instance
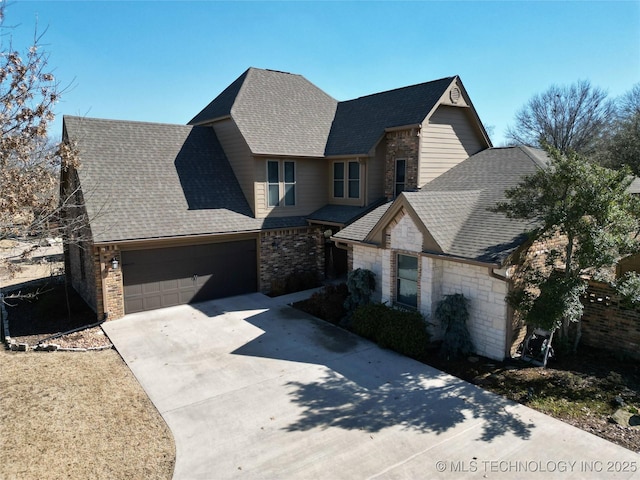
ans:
(149, 180)
(360, 123)
(339, 214)
(278, 113)
(454, 206)
(359, 229)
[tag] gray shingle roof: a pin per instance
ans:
(278, 113)
(360, 123)
(149, 180)
(340, 214)
(359, 229)
(454, 206)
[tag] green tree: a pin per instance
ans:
(589, 209)
(573, 117)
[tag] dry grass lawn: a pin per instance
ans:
(78, 415)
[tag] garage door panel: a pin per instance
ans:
(153, 302)
(157, 278)
(150, 288)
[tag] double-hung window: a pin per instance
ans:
(346, 179)
(281, 183)
(289, 183)
(338, 179)
(407, 281)
(354, 180)
(273, 183)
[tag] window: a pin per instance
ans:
(354, 180)
(281, 191)
(289, 183)
(338, 180)
(351, 180)
(273, 180)
(401, 170)
(407, 281)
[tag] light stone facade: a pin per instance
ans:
(488, 323)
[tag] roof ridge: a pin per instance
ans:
(115, 120)
(400, 88)
(528, 152)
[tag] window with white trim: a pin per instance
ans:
(407, 281)
(354, 180)
(273, 183)
(289, 183)
(281, 183)
(346, 179)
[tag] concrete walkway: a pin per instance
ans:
(254, 389)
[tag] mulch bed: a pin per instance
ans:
(571, 381)
(36, 320)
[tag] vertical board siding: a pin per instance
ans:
(447, 139)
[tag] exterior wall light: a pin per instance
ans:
(114, 263)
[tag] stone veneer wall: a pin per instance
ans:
(114, 295)
(487, 305)
(285, 252)
(403, 144)
(372, 259)
(489, 318)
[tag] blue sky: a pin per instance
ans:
(163, 61)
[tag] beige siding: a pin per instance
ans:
(311, 193)
(239, 156)
(375, 174)
(448, 137)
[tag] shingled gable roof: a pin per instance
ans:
(359, 124)
(454, 207)
(277, 113)
(150, 180)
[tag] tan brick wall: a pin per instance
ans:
(608, 325)
(285, 252)
(109, 300)
(401, 144)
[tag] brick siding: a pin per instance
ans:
(608, 325)
(286, 252)
(114, 295)
(402, 144)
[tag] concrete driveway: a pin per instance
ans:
(252, 388)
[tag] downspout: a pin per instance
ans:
(509, 329)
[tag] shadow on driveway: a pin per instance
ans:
(367, 388)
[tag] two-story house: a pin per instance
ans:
(255, 187)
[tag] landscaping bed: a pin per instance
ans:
(584, 390)
(42, 319)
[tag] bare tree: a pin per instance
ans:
(573, 117)
(31, 203)
(622, 145)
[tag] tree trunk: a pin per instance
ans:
(567, 275)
